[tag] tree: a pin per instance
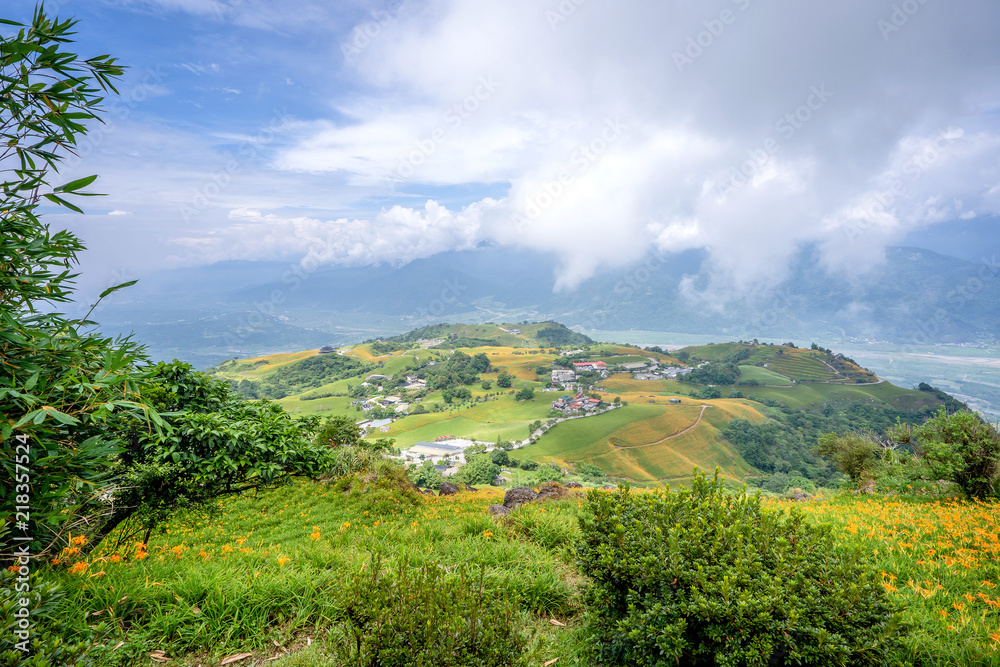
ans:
(60, 383)
(525, 394)
(500, 457)
(504, 380)
(478, 469)
(425, 476)
(215, 444)
(338, 431)
(487, 385)
(960, 447)
(854, 454)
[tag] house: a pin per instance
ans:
(584, 366)
(326, 349)
(576, 403)
(368, 426)
(559, 376)
(675, 401)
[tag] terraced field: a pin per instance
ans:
(803, 366)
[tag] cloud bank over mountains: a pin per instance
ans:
(602, 131)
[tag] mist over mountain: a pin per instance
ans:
(917, 296)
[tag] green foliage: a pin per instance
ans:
(460, 369)
(961, 448)
(505, 380)
(589, 472)
(780, 483)
(60, 384)
(338, 431)
(302, 375)
(703, 577)
(478, 469)
(556, 334)
(378, 485)
(500, 457)
(47, 639)
(710, 393)
(426, 618)
(425, 476)
(216, 444)
(714, 373)
(855, 453)
(525, 394)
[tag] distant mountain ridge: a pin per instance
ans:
(240, 308)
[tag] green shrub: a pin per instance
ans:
(705, 578)
(961, 448)
(424, 618)
(47, 640)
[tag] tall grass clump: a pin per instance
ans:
(703, 577)
(423, 617)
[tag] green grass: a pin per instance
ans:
(268, 571)
(763, 376)
(619, 442)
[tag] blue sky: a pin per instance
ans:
(366, 132)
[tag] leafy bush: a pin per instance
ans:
(702, 577)
(855, 453)
(479, 469)
(425, 475)
(47, 638)
(961, 448)
(423, 618)
(381, 488)
(525, 394)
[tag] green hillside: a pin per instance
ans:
(780, 397)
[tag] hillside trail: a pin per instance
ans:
(669, 437)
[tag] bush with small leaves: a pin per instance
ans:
(424, 618)
(704, 577)
(45, 628)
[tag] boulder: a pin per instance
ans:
(518, 496)
(574, 485)
(551, 491)
(498, 510)
(608, 487)
(448, 489)
(428, 492)
(470, 488)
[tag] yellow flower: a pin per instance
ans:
(282, 560)
(79, 568)
(488, 534)
(115, 558)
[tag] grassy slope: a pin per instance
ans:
(267, 572)
(763, 375)
(619, 442)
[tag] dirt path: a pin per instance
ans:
(669, 437)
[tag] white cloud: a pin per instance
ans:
(118, 212)
(824, 127)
